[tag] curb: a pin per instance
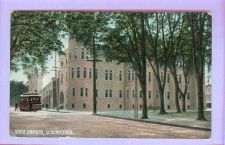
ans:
(55, 111)
(161, 123)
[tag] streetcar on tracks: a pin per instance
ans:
(30, 102)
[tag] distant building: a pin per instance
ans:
(49, 94)
(116, 85)
(35, 82)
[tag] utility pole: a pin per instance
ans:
(94, 31)
(56, 85)
(94, 77)
(94, 66)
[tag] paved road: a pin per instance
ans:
(84, 124)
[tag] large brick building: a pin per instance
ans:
(116, 85)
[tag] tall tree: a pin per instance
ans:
(16, 89)
(175, 24)
(125, 42)
(158, 50)
(34, 36)
(200, 29)
(180, 58)
(185, 57)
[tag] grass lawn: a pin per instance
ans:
(156, 115)
(189, 114)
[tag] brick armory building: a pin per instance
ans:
(115, 83)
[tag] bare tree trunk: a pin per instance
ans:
(201, 115)
(174, 74)
(200, 83)
(162, 105)
(176, 97)
(183, 103)
(143, 79)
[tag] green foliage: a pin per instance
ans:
(123, 40)
(34, 36)
(83, 26)
(16, 89)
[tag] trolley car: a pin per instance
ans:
(30, 102)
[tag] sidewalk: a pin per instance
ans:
(186, 119)
(67, 111)
(60, 111)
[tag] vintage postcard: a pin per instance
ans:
(83, 71)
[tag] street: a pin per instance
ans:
(86, 125)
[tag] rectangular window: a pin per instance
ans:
(72, 73)
(89, 73)
(120, 94)
(73, 91)
(82, 54)
(86, 92)
(132, 75)
(106, 74)
(81, 92)
(78, 72)
(168, 106)
(140, 106)
(168, 95)
(72, 106)
(110, 75)
(75, 55)
(129, 74)
(140, 94)
(61, 63)
(133, 94)
(85, 72)
(108, 106)
(149, 94)
(110, 93)
(106, 93)
(84, 105)
(188, 107)
(168, 78)
(120, 76)
(149, 77)
(120, 106)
